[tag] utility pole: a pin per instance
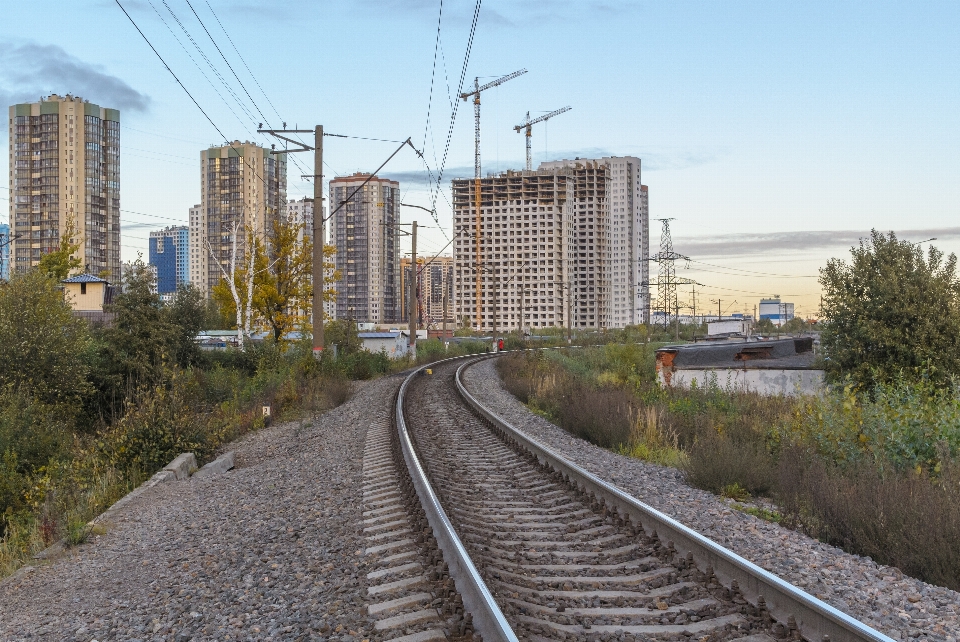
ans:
(444, 339)
(413, 286)
(318, 225)
(318, 241)
(719, 314)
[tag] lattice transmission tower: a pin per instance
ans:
(667, 280)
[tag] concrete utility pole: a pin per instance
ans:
(413, 286)
(318, 235)
(318, 241)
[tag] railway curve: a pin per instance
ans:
(541, 549)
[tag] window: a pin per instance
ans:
(83, 288)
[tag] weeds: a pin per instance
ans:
(874, 472)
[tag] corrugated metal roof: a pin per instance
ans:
(379, 335)
(84, 278)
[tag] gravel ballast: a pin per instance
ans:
(881, 596)
(270, 550)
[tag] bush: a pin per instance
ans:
(901, 518)
(716, 464)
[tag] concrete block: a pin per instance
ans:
(183, 466)
(221, 464)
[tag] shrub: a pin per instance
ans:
(900, 518)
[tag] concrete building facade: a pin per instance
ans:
(169, 252)
(4, 252)
(775, 310)
(243, 188)
(196, 247)
(364, 230)
(565, 245)
(435, 290)
(65, 170)
(611, 197)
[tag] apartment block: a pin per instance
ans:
(364, 230)
(243, 189)
(301, 212)
(65, 168)
(196, 247)
(565, 245)
(4, 252)
(435, 289)
(169, 252)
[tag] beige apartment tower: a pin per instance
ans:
(65, 170)
(435, 290)
(243, 190)
(364, 227)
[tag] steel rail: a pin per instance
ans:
(816, 620)
(488, 619)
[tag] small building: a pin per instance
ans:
(395, 344)
(86, 292)
(87, 295)
(728, 328)
(784, 367)
(776, 311)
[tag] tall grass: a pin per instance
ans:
(875, 472)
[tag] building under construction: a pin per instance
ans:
(565, 245)
(364, 228)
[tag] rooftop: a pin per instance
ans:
(738, 354)
(84, 278)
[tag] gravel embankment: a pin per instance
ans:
(881, 596)
(268, 551)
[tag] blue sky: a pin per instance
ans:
(775, 134)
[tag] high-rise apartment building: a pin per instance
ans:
(435, 289)
(196, 247)
(243, 189)
(365, 231)
(301, 212)
(611, 214)
(170, 254)
(4, 252)
(565, 245)
(65, 170)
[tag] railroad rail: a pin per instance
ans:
(539, 548)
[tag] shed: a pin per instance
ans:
(784, 366)
(395, 344)
(86, 292)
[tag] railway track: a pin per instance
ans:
(539, 549)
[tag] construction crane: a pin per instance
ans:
(477, 88)
(528, 126)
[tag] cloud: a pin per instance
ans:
(29, 71)
(727, 245)
(420, 177)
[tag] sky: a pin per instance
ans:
(774, 134)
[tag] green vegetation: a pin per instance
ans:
(893, 315)
(874, 472)
(87, 414)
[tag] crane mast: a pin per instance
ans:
(527, 126)
(477, 88)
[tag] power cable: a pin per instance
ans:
(786, 276)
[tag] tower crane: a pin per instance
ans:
(528, 125)
(477, 88)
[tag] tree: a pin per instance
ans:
(43, 347)
(60, 263)
(283, 290)
(135, 349)
(271, 283)
(891, 313)
(187, 314)
(343, 334)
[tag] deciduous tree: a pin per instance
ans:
(890, 312)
